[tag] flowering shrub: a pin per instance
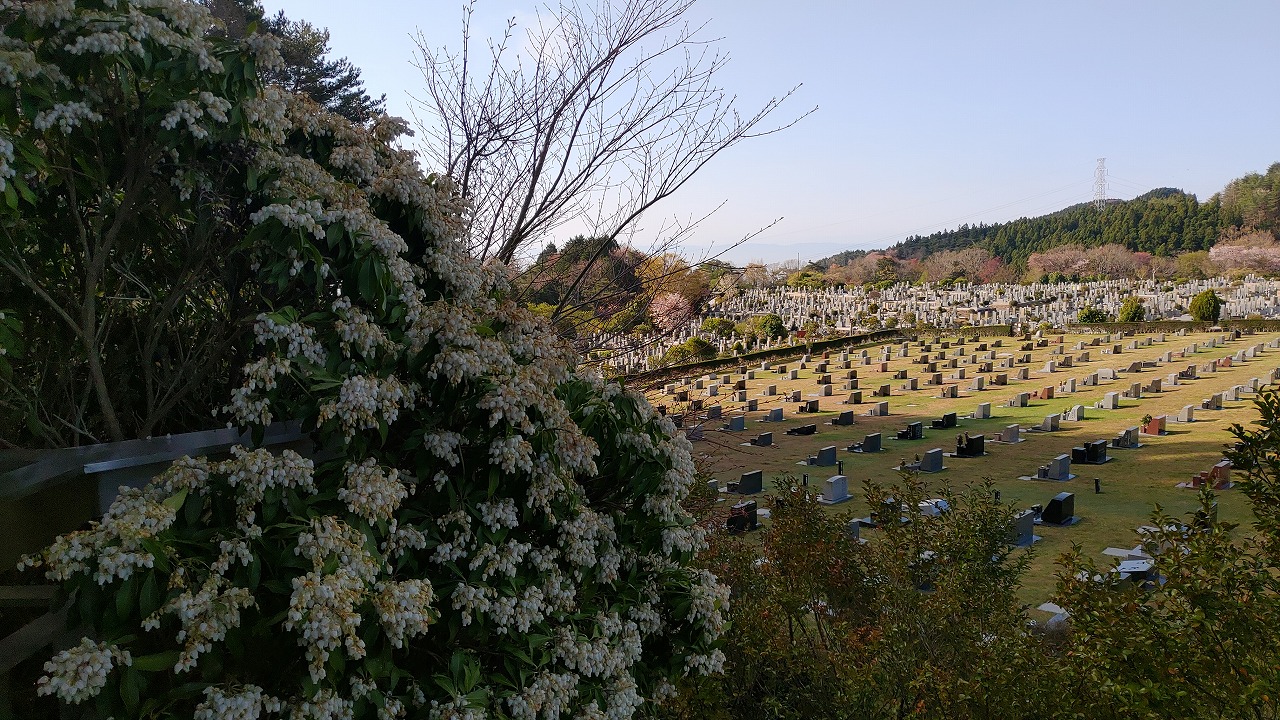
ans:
(122, 160)
(481, 531)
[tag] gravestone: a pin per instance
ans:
(983, 412)
(753, 405)
(1059, 468)
(845, 418)
(743, 517)
(880, 409)
(737, 423)
(1096, 452)
(763, 440)
(775, 415)
(855, 398)
(1022, 533)
(1127, 439)
(1187, 414)
(1156, 426)
(826, 457)
(1110, 401)
(949, 391)
(751, 482)
(870, 443)
(948, 420)
(971, 445)
(932, 461)
(1075, 414)
(1011, 434)
(1060, 510)
(913, 431)
(1051, 423)
(835, 490)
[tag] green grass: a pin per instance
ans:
(1133, 482)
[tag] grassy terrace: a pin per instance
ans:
(1132, 482)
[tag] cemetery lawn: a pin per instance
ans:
(1133, 481)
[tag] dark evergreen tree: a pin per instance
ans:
(307, 69)
(1206, 307)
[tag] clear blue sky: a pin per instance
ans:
(930, 113)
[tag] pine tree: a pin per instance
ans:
(307, 69)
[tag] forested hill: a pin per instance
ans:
(1165, 221)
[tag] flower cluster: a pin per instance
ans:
(205, 617)
(250, 703)
(110, 549)
(404, 608)
(77, 674)
(367, 400)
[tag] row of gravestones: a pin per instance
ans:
(1002, 305)
(1109, 401)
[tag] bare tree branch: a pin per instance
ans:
(606, 107)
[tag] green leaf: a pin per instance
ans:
(126, 597)
(150, 599)
(366, 279)
(174, 502)
(158, 662)
(130, 690)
